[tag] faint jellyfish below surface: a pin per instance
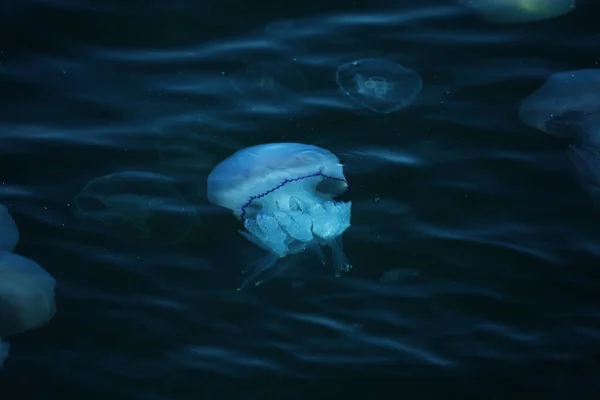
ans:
(137, 205)
(270, 86)
(184, 155)
(26, 297)
(283, 193)
(9, 233)
(568, 105)
(519, 11)
(378, 84)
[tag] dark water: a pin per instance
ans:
(491, 240)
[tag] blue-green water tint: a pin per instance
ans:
(486, 215)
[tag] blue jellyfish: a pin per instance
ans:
(26, 297)
(378, 84)
(283, 193)
(270, 86)
(9, 234)
(517, 11)
(568, 105)
(137, 205)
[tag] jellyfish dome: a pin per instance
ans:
(378, 84)
(9, 233)
(284, 195)
(566, 105)
(517, 11)
(271, 87)
(137, 205)
(26, 297)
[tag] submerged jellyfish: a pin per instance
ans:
(515, 11)
(9, 234)
(269, 85)
(378, 84)
(284, 195)
(568, 105)
(137, 205)
(26, 297)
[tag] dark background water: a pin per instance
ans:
(493, 241)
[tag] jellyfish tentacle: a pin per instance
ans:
(258, 268)
(340, 261)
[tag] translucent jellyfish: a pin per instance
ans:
(515, 11)
(137, 205)
(566, 105)
(26, 297)
(270, 86)
(9, 233)
(378, 84)
(284, 195)
(183, 155)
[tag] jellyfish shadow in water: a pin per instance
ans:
(519, 11)
(568, 105)
(378, 84)
(26, 289)
(137, 205)
(269, 87)
(283, 193)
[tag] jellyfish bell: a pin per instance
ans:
(9, 233)
(284, 193)
(378, 84)
(269, 87)
(519, 11)
(137, 205)
(26, 297)
(567, 104)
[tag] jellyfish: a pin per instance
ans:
(378, 84)
(137, 205)
(26, 297)
(269, 86)
(9, 233)
(517, 11)
(566, 105)
(284, 193)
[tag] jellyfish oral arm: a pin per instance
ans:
(296, 216)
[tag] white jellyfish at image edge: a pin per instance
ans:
(379, 84)
(519, 11)
(270, 87)
(568, 105)
(137, 205)
(26, 289)
(283, 193)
